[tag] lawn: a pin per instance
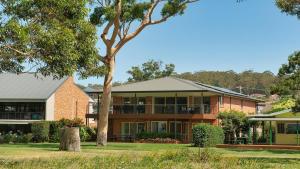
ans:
(136, 155)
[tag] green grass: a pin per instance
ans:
(138, 155)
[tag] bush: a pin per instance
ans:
(84, 135)
(154, 135)
(54, 127)
(15, 138)
(206, 135)
(40, 131)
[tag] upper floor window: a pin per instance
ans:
(221, 103)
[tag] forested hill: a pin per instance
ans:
(250, 82)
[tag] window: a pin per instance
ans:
(159, 126)
(280, 128)
(167, 105)
(132, 128)
(292, 128)
(198, 102)
(221, 104)
(176, 129)
(182, 106)
(141, 105)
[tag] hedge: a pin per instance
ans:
(206, 135)
(40, 131)
(153, 135)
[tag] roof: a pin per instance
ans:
(28, 86)
(271, 114)
(274, 119)
(90, 90)
(173, 84)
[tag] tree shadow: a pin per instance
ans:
(269, 151)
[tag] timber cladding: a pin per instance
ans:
(70, 101)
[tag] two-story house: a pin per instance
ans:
(170, 105)
(29, 97)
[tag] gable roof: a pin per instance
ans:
(28, 86)
(173, 84)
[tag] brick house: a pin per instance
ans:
(30, 97)
(169, 105)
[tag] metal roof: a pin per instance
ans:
(271, 114)
(274, 119)
(173, 84)
(28, 86)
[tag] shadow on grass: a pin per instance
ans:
(268, 151)
(279, 161)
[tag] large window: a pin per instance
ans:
(159, 126)
(167, 105)
(292, 128)
(22, 111)
(175, 127)
(133, 105)
(206, 105)
(132, 128)
(182, 104)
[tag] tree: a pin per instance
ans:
(55, 36)
(290, 7)
(150, 70)
(290, 79)
(233, 122)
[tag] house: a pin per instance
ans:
(280, 127)
(170, 105)
(29, 97)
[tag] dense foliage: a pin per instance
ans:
(233, 123)
(289, 82)
(18, 137)
(249, 81)
(40, 131)
(153, 135)
(206, 135)
(150, 70)
(50, 36)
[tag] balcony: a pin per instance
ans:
(160, 109)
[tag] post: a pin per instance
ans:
(202, 106)
(263, 129)
(175, 123)
(297, 133)
(270, 132)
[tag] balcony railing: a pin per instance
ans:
(21, 116)
(160, 109)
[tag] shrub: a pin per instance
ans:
(40, 131)
(84, 134)
(206, 135)
(154, 135)
(54, 127)
(71, 123)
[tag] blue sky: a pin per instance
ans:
(215, 35)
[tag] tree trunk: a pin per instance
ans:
(102, 124)
(69, 139)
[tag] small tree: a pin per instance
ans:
(233, 122)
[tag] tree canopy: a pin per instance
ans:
(48, 36)
(249, 81)
(289, 82)
(291, 7)
(150, 70)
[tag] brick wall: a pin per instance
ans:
(70, 101)
(246, 106)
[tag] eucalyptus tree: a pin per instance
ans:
(59, 37)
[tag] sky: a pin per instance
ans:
(215, 35)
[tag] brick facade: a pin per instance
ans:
(70, 101)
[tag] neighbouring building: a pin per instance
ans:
(279, 127)
(169, 105)
(29, 97)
